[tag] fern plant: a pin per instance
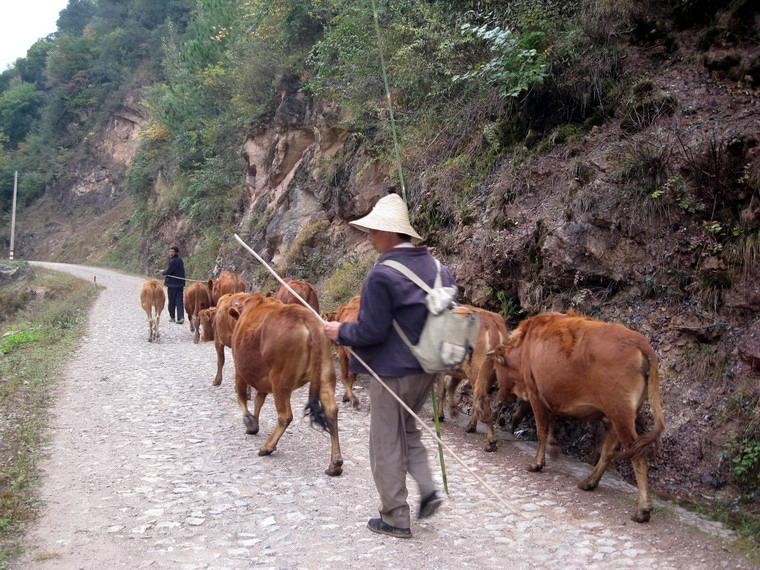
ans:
(517, 60)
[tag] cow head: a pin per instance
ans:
(506, 360)
(251, 301)
(207, 323)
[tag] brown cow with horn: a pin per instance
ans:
(223, 326)
(206, 323)
(278, 348)
(307, 291)
(571, 365)
(227, 282)
(197, 298)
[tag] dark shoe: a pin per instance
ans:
(171, 320)
(429, 505)
(181, 322)
(381, 527)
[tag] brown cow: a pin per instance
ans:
(571, 365)
(224, 326)
(346, 313)
(197, 298)
(207, 323)
(152, 299)
(306, 290)
(278, 348)
(479, 370)
(227, 282)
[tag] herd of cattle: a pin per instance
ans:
(555, 364)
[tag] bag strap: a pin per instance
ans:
(412, 276)
(402, 334)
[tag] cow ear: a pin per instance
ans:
(233, 312)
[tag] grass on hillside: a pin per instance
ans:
(35, 342)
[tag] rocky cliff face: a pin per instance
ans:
(305, 172)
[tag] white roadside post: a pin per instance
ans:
(13, 213)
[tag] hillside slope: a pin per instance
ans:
(625, 183)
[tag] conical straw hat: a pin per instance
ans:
(390, 214)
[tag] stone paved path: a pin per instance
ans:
(150, 467)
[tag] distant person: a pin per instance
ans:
(175, 284)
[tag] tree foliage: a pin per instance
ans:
(216, 70)
(19, 108)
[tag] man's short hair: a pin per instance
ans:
(174, 248)
(404, 237)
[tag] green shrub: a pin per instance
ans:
(346, 281)
(517, 61)
(506, 306)
(304, 259)
(10, 342)
(200, 262)
(746, 462)
(647, 103)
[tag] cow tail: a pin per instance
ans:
(314, 408)
(655, 402)
(210, 286)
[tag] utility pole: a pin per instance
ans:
(13, 214)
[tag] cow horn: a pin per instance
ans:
(491, 352)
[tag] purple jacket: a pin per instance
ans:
(387, 295)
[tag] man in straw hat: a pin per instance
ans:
(395, 444)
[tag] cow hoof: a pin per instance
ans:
(264, 451)
(641, 515)
(491, 446)
(251, 425)
(441, 418)
(335, 469)
(471, 428)
(346, 398)
(355, 402)
(217, 382)
(535, 467)
(587, 485)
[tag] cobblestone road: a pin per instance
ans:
(150, 467)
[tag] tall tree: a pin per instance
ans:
(74, 17)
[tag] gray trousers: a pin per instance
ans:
(395, 444)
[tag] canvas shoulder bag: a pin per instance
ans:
(447, 337)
